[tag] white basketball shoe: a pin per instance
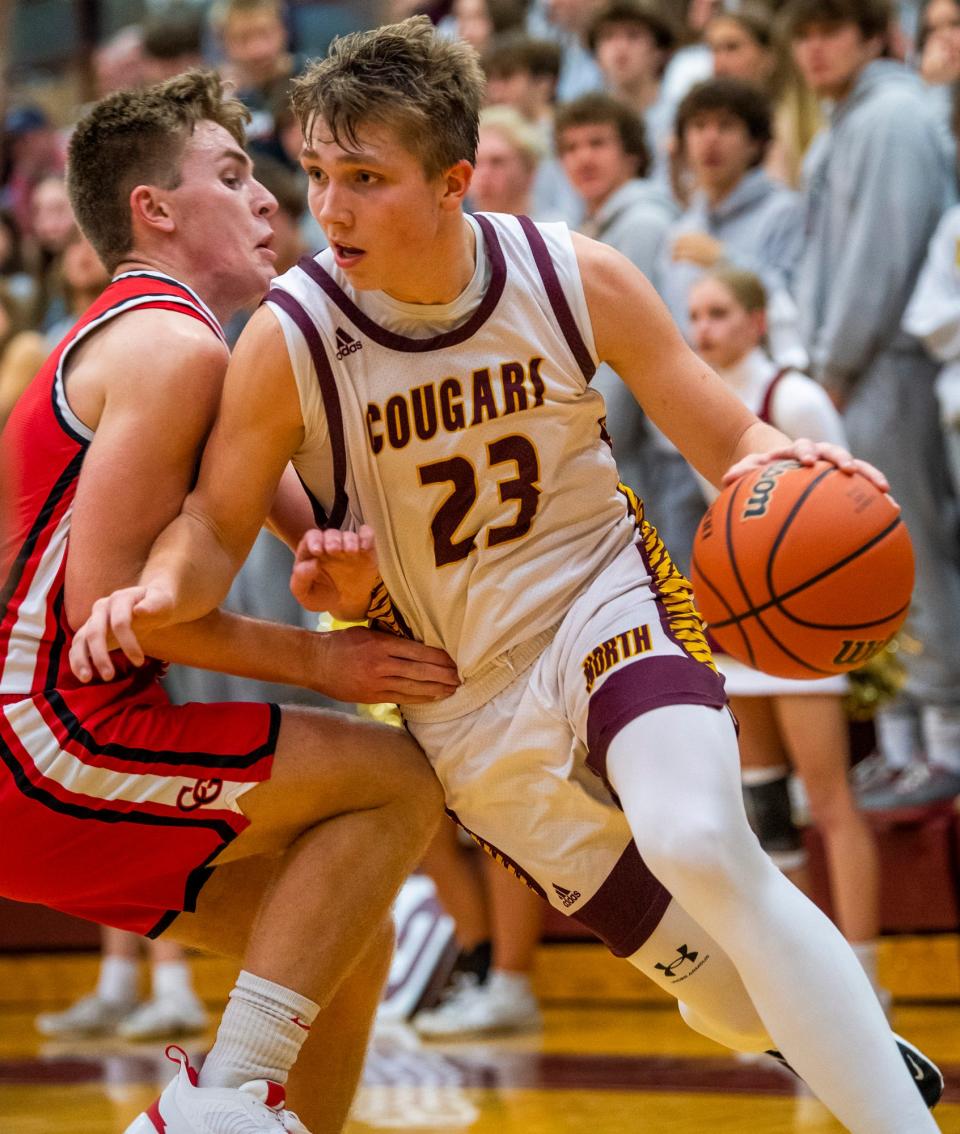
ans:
(503, 1003)
(258, 1107)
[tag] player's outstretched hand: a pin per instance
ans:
(369, 667)
(117, 622)
(335, 571)
(808, 453)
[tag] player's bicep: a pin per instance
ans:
(258, 429)
(636, 335)
(137, 470)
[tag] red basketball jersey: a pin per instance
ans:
(43, 446)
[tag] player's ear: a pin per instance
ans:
(149, 206)
(456, 184)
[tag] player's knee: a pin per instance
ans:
(741, 1031)
(766, 796)
(705, 852)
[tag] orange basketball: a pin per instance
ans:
(802, 571)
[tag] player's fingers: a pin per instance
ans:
(415, 692)
(366, 537)
(121, 624)
(332, 541)
(96, 631)
(872, 473)
(80, 661)
(446, 673)
(310, 545)
(429, 674)
(303, 582)
(349, 543)
(741, 468)
(304, 574)
(806, 452)
(417, 651)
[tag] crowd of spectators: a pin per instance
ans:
(811, 143)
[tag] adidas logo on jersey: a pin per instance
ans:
(567, 897)
(346, 344)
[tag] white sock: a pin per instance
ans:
(119, 980)
(676, 772)
(261, 1032)
(172, 979)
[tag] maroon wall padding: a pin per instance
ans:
(919, 871)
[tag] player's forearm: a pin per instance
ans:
(245, 647)
(193, 565)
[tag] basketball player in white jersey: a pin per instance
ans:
(429, 376)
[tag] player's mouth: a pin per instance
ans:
(264, 246)
(346, 255)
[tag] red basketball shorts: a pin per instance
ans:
(114, 803)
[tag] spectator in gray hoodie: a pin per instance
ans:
(737, 214)
(876, 182)
(603, 149)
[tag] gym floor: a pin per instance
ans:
(607, 1061)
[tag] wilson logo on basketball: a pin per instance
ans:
(759, 499)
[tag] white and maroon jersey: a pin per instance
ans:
(477, 455)
(43, 446)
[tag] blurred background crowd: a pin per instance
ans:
(785, 174)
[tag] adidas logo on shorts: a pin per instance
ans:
(567, 897)
(346, 344)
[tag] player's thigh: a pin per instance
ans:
(760, 742)
(328, 764)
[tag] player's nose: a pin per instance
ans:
(264, 202)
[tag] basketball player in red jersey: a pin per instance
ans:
(429, 374)
(276, 836)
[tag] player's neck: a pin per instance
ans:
(445, 271)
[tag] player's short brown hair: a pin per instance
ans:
(136, 137)
(400, 75)
(597, 109)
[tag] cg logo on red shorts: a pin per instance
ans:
(202, 792)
